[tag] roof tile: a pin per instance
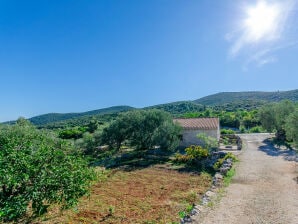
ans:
(198, 123)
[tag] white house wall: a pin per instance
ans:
(190, 136)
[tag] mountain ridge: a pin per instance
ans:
(229, 97)
(232, 100)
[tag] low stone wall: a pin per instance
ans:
(233, 140)
(217, 182)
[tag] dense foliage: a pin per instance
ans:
(178, 108)
(55, 117)
(38, 170)
(143, 129)
(281, 118)
(291, 127)
(258, 97)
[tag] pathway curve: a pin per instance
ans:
(264, 189)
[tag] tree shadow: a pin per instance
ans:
(133, 160)
(274, 150)
(137, 160)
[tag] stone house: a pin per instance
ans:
(194, 126)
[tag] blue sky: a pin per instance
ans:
(77, 55)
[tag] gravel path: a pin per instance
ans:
(264, 189)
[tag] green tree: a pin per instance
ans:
(36, 171)
(93, 126)
(167, 135)
(143, 129)
(274, 116)
(282, 111)
(267, 117)
(291, 127)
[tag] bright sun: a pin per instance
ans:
(262, 21)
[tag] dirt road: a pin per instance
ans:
(264, 189)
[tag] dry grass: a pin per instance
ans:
(150, 195)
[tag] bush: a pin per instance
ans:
(257, 129)
(74, 133)
(37, 171)
(227, 132)
(219, 162)
(179, 158)
(197, 152)
(193, 153)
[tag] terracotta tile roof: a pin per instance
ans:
(198, 123)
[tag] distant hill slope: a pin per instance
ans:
(258, 97)
(229, 101)
(178, 108)
(57, 117)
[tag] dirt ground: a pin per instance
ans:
(264, 189)
(147, 195)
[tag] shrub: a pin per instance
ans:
(179, 158)
(37, 171)
(193, 153)
(219, 162)
(257, 129)
(227, 132)
(197, 152)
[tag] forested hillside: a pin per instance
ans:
(59, 117)
(178, 108)
(227, 101)
(254, 97)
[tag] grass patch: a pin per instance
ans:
(228, 177)
(148, 195)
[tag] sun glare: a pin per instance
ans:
(262, 21)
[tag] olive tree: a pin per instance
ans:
(143, 129)
(273, 117)
(38, 170)
(291, 127)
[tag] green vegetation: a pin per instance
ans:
(228, 177)
(227, 131)
(179, 108)
(219, 163)
(41, 168)
(38, 170)
(249, 98)
(143, 129)
(55, 117)
(193, 154)
(281, 118)
(291, 127)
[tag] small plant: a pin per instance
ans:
(229, 176)
(179, 158)
(111, 210)
(256, 129)
(227, 132)
(197, 152)
(219, 162)
(189, 208)
(193, 153)
(187, 211)
(182, 214)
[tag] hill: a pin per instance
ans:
(178, 108)
(56, 120)
(254, 97)
(229, 101)
(59, 117)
